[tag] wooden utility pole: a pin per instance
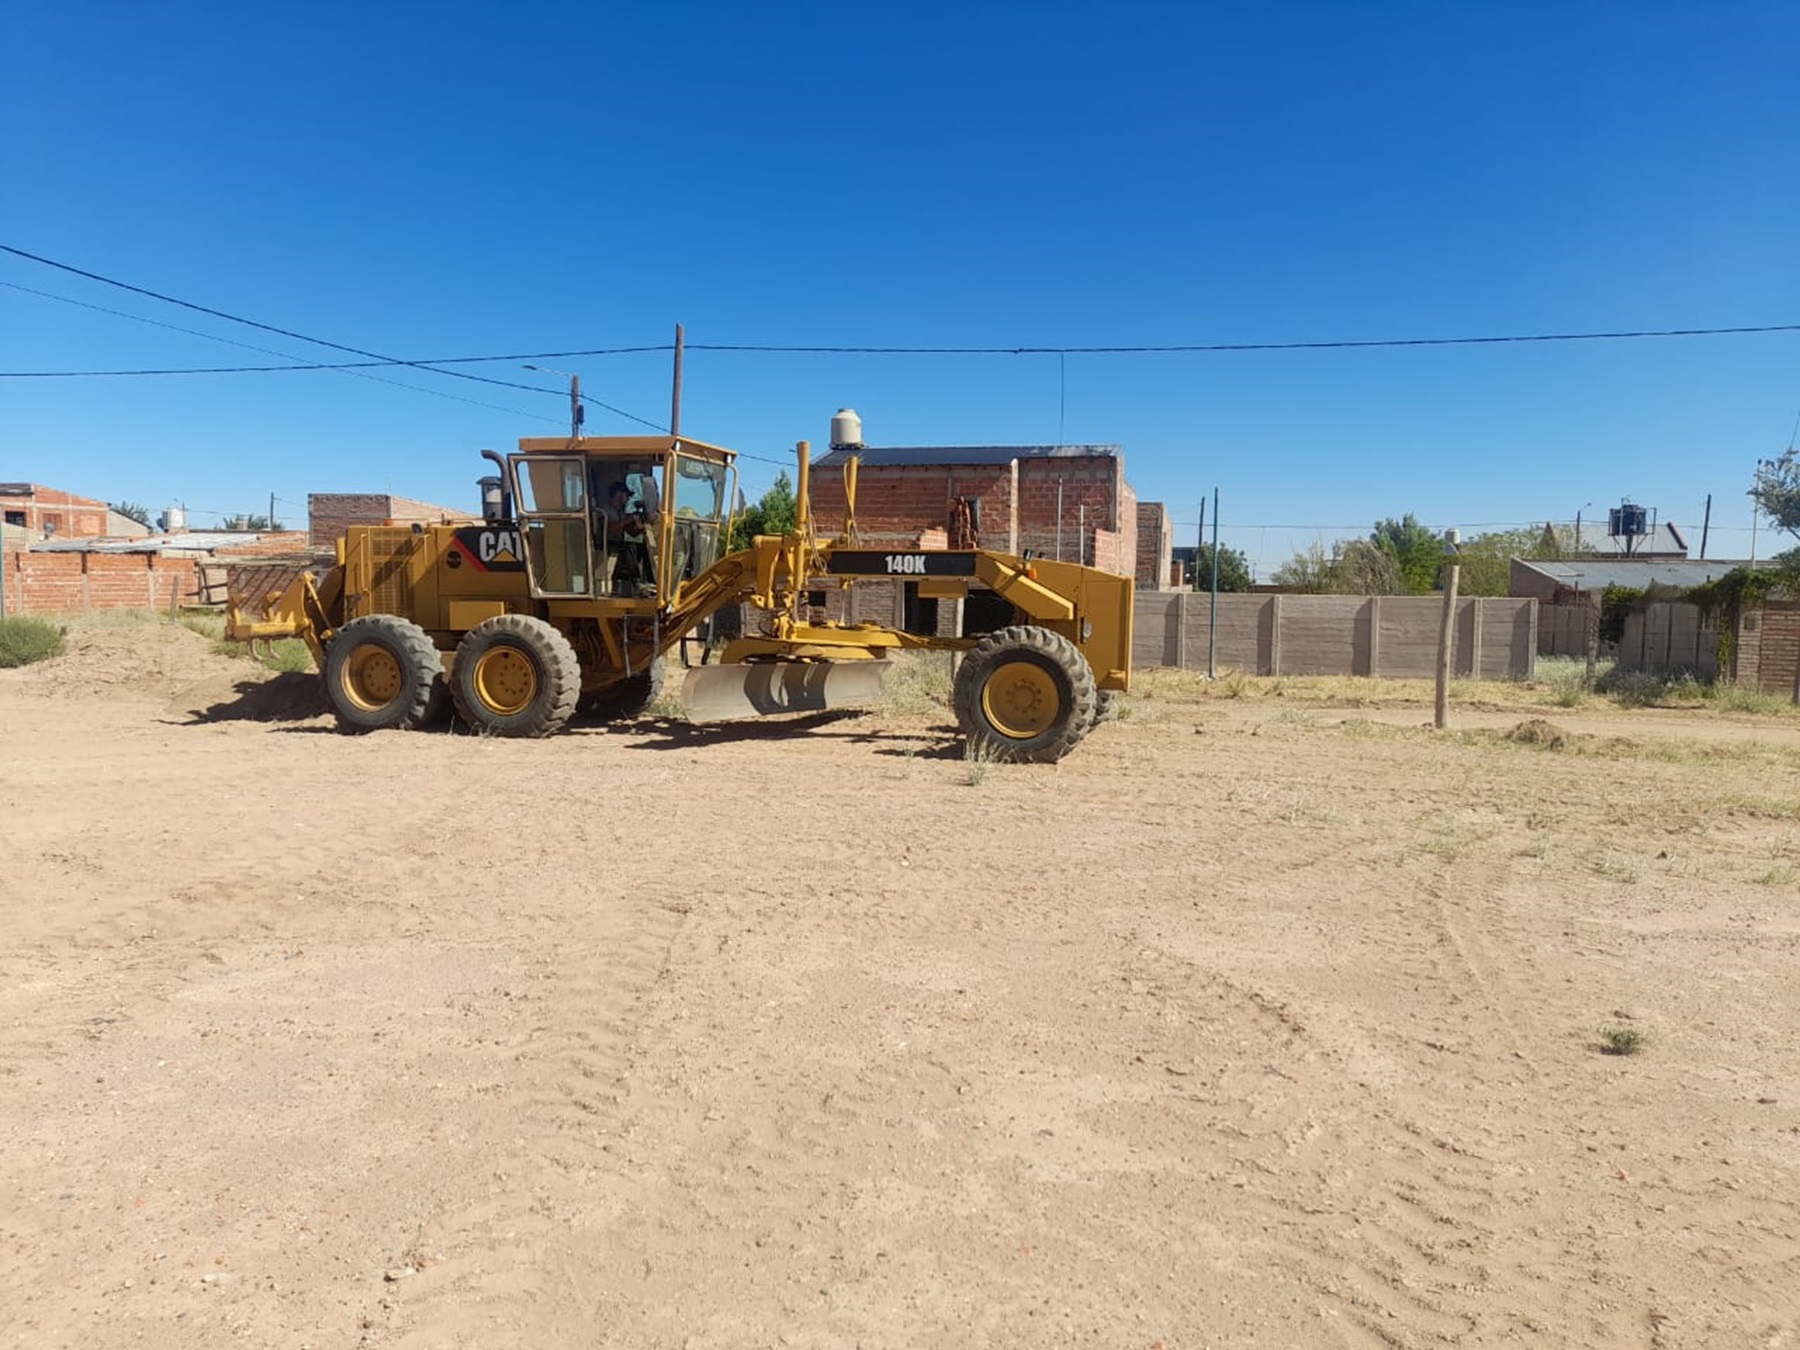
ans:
(1447, 630)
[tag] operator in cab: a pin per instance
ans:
(624, 530)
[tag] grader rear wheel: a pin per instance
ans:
(515, 675)
(1024, 694)
(381, 674)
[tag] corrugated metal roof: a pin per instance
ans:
(1665, 538)
(190, 540)
(880, 456)
(1596, 574)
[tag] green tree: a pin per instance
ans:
(1311, 571)
(1776, 490)
(1353, 567)
(1486, 559)
(132, 511)
(1234, 569)
(1417, 552)
(772, 513)
(257, 523)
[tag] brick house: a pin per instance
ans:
(49, 513)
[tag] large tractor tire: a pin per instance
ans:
(515, 675)
(629, 698)
(382, 673)
(1024, 694)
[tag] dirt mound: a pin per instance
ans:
(141, 659)
(126, 658)
(1536, 731)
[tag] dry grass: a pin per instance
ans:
(1559, 682)
(917, 684)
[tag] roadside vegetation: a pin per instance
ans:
(24, 640)
(286, 655)
(1559, 682)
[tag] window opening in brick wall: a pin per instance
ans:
(921, 612)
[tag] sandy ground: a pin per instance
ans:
(1250, 1024)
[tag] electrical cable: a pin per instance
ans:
(358, 370)
(302, 337)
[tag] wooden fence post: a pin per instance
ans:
(1447, 644)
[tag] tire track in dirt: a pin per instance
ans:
(505, 1266)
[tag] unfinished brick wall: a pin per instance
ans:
(1155, 540)
(74, 583)
(1020, 505)
(895, 502)
(1768, 648)
(329, 514)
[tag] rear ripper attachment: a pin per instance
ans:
(595, 559)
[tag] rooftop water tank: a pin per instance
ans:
(846, 429)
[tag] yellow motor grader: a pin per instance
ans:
(595, 557)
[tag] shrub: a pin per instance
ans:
(25, 640)
(1632, 688)
(1621, 1041)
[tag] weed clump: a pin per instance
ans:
(1536, 731)
(1621, 1041)
(25, 640)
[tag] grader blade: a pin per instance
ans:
(727, 693)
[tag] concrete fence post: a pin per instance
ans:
(1479, 614)
(1374, 637)
(1275, 634)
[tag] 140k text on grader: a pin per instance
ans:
(597, 556)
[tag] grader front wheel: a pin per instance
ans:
(1025, 694)
(382, 673)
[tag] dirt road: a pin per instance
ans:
(1243, 1026)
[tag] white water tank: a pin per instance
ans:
(846, 429)
(174, 520)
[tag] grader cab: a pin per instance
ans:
(597, 558)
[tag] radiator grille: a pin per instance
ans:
(391, 573)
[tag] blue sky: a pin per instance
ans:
(461, 179)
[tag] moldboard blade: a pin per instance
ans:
(757, 688)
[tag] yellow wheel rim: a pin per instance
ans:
(506, 680)
(372, 678)
(1020, 699)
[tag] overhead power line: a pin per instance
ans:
(1154, 349)
(374, 358)
(433, 362)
